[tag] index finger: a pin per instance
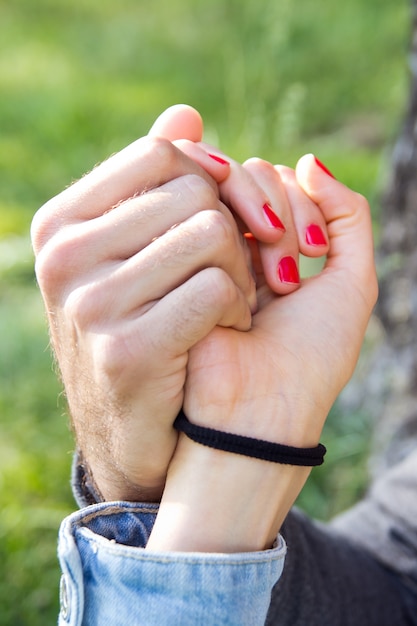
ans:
(145, 164)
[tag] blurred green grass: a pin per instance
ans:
(81, 79)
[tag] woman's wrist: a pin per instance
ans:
(215, 501)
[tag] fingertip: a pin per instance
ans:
(310, 163)
(281, 271)
(220, 167)
(180, 121)
(272, 218)
(288, 273)
(317, 180)
(323, 168)
(215, 165)
(315, 237)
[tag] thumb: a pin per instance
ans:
(348, 220)
(178, 122)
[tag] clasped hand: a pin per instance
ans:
(157, 300)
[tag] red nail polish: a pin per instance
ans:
(323, 167)
(288, 271)
(272, 218)
(315, 236)
(219, 159)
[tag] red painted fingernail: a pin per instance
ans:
(315, 236)
(288, 271)
(272, 218)
(219, 159)
(323, 167)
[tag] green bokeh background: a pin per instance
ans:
(81, 79)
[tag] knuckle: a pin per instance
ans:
(183, 144)
(57, 262)
(218, 229)
(162, 150)
(47, 268)
(114, 355)
(211, 234)
(83, 307)
(361, 202)
(218, 287)
(115, 352)
(202, 193)
(43, 225)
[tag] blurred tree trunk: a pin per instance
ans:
(391, 381)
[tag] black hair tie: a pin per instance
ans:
(248, 446)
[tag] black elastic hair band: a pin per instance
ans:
(248, 446)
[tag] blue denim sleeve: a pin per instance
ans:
(108, 577)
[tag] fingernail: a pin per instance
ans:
(323, 167)
(219, 159)
(315, 236)
(288, 271)
(272, 218)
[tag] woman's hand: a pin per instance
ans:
(276, 382)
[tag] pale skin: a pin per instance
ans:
(152, 305)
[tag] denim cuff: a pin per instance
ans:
(108, 577)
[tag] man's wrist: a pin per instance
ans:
(109, 484)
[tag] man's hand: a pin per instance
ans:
(137, 262)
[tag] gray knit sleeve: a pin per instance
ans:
(360, 570)
(384, 523)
